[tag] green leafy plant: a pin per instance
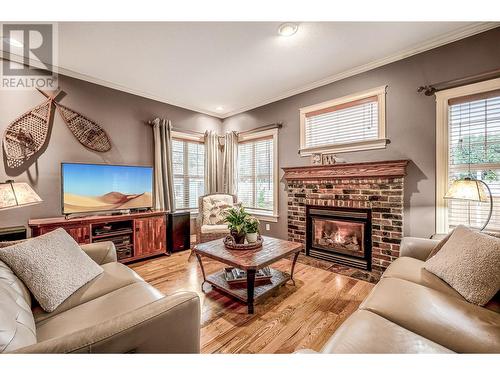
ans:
(252, 224)
(261, 199)
(477, 149)
(236, 219)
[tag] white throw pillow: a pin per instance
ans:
(470, 263)
(52, 266)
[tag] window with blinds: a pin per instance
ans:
(188, 160)
(256, 174)
(347, 124)
(474, 151)
(350, 122)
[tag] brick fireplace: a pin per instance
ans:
(350, 213)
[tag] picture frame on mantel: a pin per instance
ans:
(331, 159)
(316, 159)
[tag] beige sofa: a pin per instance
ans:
(412, 311)
(117, 312)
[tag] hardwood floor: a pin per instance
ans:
(295, 317)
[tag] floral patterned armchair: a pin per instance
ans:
(210, 223)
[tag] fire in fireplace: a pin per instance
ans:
(344, 237)
(341, 235)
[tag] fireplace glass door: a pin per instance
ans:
(339, 234)
(345, 237)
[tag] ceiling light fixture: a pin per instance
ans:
(288, 29)
(219, 108)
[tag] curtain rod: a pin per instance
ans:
(179, 129)
(187, 131)
(276, 125)
(430, 90)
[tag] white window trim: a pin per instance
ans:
(263, 134)
(378, 143)
(442, 146)
(193, 138)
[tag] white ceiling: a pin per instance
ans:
(238, 66)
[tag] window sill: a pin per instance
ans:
(346, 147)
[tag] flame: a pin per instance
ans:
(338, 238)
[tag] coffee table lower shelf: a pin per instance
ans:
(218, 281)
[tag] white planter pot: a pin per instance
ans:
(251, 237)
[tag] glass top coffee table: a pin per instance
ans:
(272, 250)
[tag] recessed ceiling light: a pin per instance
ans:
(219, 108)
(288, 29)
(14, 42)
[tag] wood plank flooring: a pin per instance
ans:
(295, 317)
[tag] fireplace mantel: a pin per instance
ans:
(387, 168)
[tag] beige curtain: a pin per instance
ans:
(211, 156)
(164, 179)
(230, 163)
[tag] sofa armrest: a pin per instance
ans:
(101, 252)
(168, 325)
(418, 248)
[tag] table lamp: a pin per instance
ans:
(472, 190)
(17, 194)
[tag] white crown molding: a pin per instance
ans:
(132, 91)
(431, 44)
(434, 43)
(102, 82)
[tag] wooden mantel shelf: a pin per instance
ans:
(387, 168)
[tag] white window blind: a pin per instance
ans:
(351, 122)
(188, 159)
(474, 150)
(255, 174)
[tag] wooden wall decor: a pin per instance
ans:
(88, 132)
(26, 135)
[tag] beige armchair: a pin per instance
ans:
(210, 222)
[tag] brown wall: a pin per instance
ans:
(122, 116)
(410, 120)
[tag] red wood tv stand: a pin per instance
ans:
(136, 236)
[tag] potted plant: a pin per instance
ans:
(252, 229)
(236, 218)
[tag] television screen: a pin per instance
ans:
(100, 187)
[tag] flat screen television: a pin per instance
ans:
(104, 187)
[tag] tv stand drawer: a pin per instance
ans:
(80, 233)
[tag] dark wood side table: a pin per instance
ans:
(273, 249)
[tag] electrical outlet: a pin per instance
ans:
(268, 226)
